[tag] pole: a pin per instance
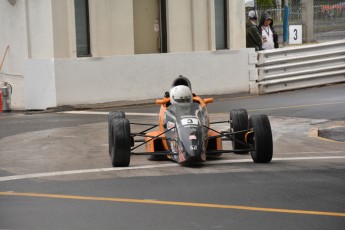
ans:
(286, 24)
(308, 20)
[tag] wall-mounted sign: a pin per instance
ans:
(156, 26)
(295, 34)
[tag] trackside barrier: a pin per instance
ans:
(299, 67)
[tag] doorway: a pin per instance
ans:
(149, 26)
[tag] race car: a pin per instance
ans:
(184, 134)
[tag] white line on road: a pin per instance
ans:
(106, 113)
(73, 172)
(295, 153)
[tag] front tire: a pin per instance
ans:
(239, 122)
(121, 149)
(113, 115)
(261, 139)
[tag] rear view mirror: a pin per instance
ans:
(162, 101)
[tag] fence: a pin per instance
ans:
(329, 18)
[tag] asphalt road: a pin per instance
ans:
(315, 103)
(55, 173)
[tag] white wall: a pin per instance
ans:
(180, 25)
(13, 33)
(40, 87)
(116, 78)
(200, 29)
(111, 27)
(237, 25)
(40, 29)
(63, 31)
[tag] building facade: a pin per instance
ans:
(89, 51)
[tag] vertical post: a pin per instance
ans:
(278, 7)
(211, 26)
(308, 20)
(286, 24)
(237, 24)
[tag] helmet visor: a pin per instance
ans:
(183, 100)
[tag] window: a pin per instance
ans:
(163, 29)
(82, 27)
(221, 18)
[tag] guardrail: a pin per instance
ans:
(299, 67)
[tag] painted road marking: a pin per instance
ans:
(174, 203)
(73, 172)
(297, 106)
(308, 152)
(107, 113)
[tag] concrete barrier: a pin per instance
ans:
(57, 82)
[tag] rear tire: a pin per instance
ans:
(261, 139)
(239, 121)
(121, 149)
(113, 115)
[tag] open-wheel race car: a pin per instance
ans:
(183, 133)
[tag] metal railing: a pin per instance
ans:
(299, 67)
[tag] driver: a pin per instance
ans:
(181, 94)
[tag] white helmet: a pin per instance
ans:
(181, 94)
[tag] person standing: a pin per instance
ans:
(267, 32)
(253, 37)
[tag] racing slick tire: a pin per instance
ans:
(113, 115)
(239, 121)
(121, 149)
(260, 139)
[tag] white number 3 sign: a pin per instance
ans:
(295, 34)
